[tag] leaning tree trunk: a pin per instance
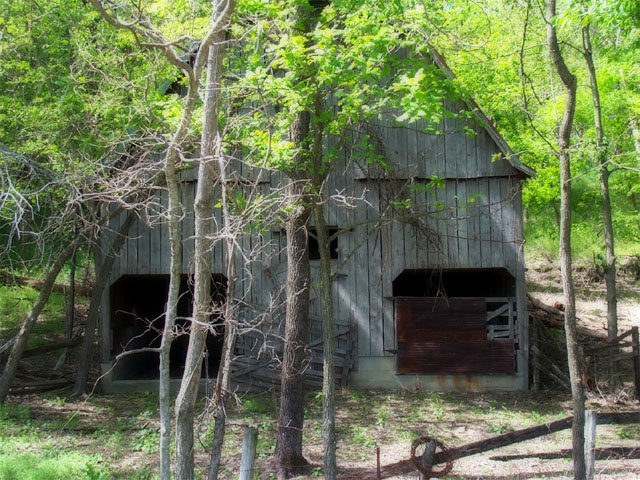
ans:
(20, 343)
(203, 207)
(564, 137)
(610, 269)
(86, 350)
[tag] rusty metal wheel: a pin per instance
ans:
(417, 460)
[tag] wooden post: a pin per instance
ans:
(590, 422)
(249, 441)
(636, 361)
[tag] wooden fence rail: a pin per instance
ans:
(612, 350)
(406, 466)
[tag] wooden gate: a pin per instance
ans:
(257, 364)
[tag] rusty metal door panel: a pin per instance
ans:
(427, 319)
(460, 357)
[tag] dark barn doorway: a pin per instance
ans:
(137, 321)
(488, 282)
(455, 321)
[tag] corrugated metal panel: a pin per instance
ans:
(461, 356)
(439, 335)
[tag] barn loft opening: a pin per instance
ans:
(314, 249)
(455, 321)
(137, 321)
(488, 282)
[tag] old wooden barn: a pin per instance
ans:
(428, 297)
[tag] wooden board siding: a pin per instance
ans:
(485, 233)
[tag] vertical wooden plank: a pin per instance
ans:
(155, 249)
(522, 323)
(463, 223)
(415, 167)
(120, 262)
(165, 252)
(460, 144)
(496, 205)
(440, 147)
(395, 259)
(452, 225)
(442, 216)
(374, 255)
(347, 245)
(473, 223)
(428, 254)
(485, 222)
(508, 224)
(188, 242)
(105, 325)
(144, 250)
(451, 144)
(131, 245)
(105, 240)
(482, 156)
(471, 150)
(361, 276)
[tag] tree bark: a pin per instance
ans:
(174, 210)
(329, 343)
(86, 350)
(230, 333)
(203, 208)
(610, 268)
(564, 137)
(20, 343)
(231, 230)
(288, 459)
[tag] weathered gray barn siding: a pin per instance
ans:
(479, 227)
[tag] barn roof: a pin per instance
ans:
(491, 129)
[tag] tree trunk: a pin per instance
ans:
(232, 230)
(231, 320)
(288, 459)
(203, 207)
(20, 343)
(329, 343)
(564, 135)
(610, 269)
(174, 209)
(102, 278)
